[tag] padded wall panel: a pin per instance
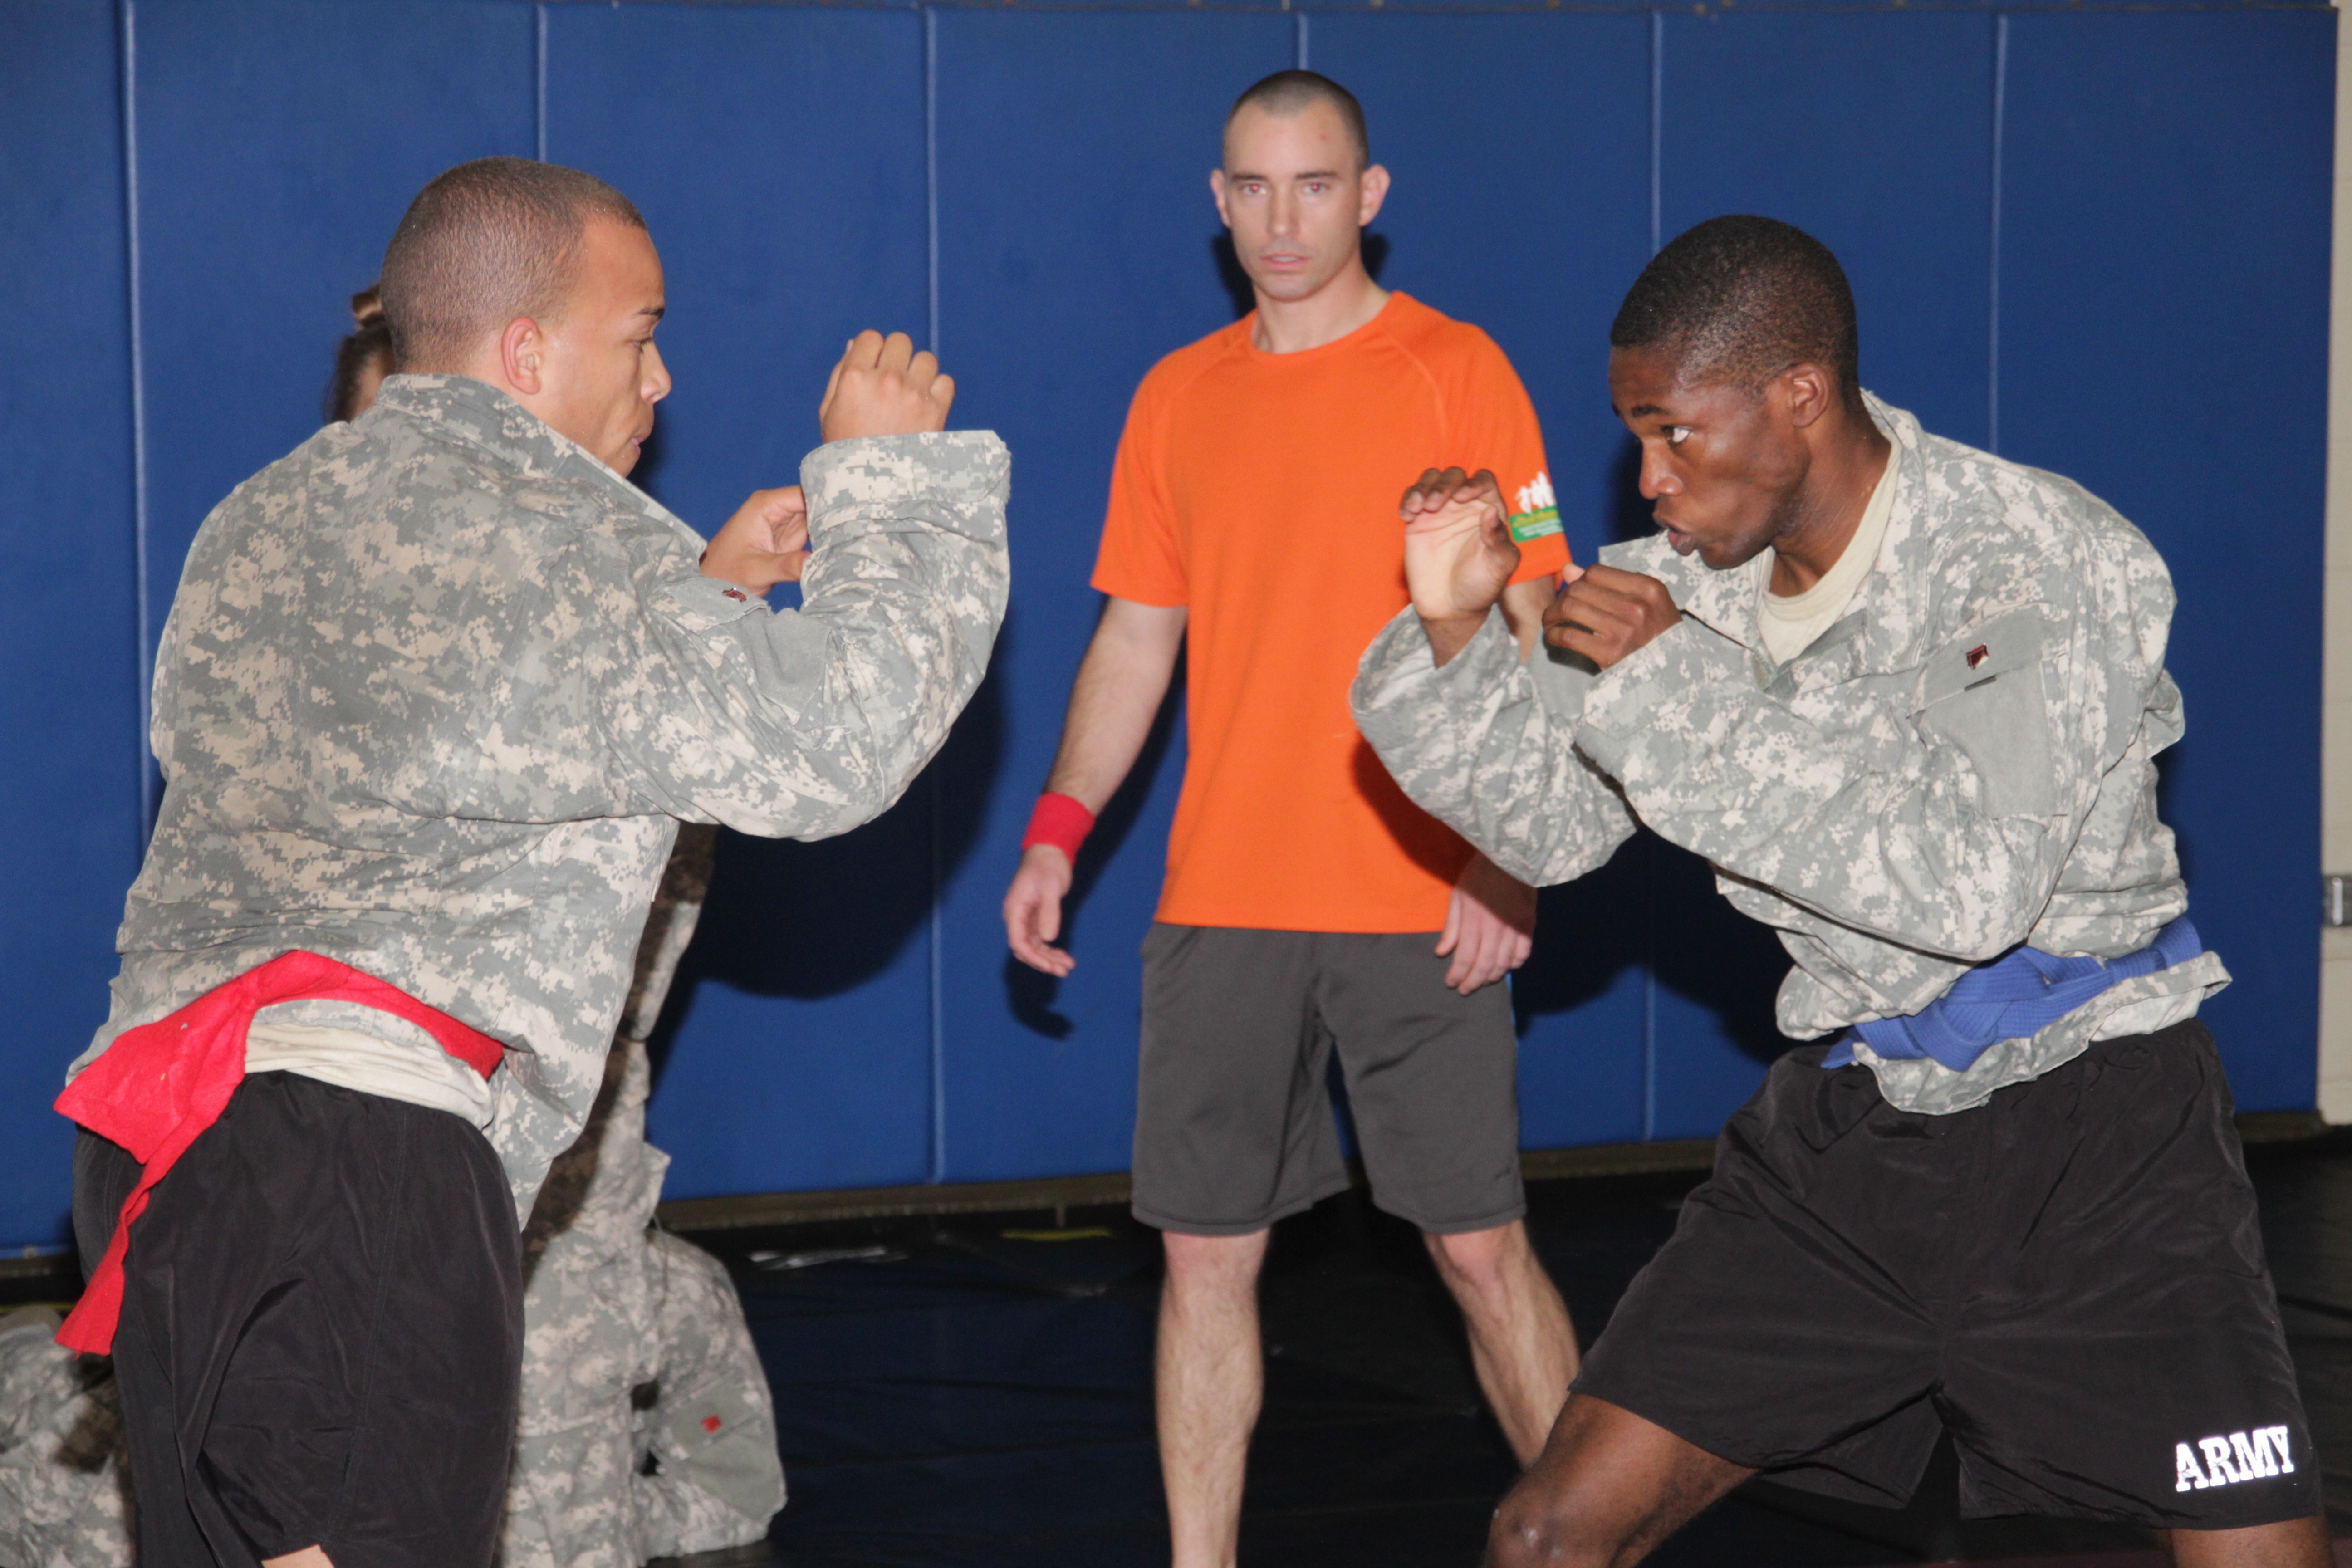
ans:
(2164, 340)
(1521, 202)
(778, 156)
(1076, 248)
(278, 144)
(70, 759)
(795, 1050)
(1872, 132)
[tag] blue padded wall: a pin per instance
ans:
(69, 744)
(808, 1006)
(279, 141)
(2096, 238)
(2182, 162)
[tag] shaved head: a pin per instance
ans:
(1286, 93)
(1738, 299)
(487, 242)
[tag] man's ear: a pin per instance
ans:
(1217, 190)
(522, 357)
(1809, 392)
(1375, 191)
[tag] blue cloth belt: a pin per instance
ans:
(2015, 996)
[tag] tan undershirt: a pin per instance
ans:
(368, 1050)
(1790, 624)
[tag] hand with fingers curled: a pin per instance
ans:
(764, 543)
(1490, 926)
(1458, 553)
(883, 387)
(1607, 614)
(1032, 910)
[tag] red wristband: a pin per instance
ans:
(1061, 821)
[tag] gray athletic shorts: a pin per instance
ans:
(1232, 1124)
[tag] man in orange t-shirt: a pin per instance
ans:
(1309, 906)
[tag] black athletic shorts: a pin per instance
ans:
(2069, 1279)
(322, 1332)
(1233, 1121)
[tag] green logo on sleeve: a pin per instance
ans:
(1539, 513)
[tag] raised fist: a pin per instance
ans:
(883, 387)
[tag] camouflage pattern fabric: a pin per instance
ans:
(65, 1479)
(669, 927)
(645, 1426)
(436, 688)
(609, 1142)
(635, 1349)
(1964, 762)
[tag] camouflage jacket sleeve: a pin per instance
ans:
(1484, 748)
(1942, 818)
(805, 723)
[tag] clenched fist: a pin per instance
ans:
(1458, 553)
(883, 387)
(1606, 613)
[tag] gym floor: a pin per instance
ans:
(975, 1391)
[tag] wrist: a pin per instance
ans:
(1060, 820)
(1449, 635)
(719, 567)
(714, 564)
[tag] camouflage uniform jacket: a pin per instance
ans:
(437, 687)
(1963, 763)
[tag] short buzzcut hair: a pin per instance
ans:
(1286, 93)
(484, 243)
(1738, 299)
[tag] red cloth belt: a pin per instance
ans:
(159, 1086)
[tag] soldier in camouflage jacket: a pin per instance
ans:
(434, 693)
(1906, 698)
(1895, 812)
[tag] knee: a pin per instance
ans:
(1537, 1534)
(1216, 1264)
(1594, 1499)
(1479, 1258)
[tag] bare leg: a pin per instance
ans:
(2297, 1543)
(1609, 1486)
(1519, 1338)
(1211, 1382)
(309, 1557)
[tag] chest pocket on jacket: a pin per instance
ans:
(1982, 695)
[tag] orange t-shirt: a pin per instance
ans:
(1261, 491)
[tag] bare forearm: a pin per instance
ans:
(1120, 686)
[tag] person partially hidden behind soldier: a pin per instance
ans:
(435, 693)
(1907, 697)
(362, 359)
